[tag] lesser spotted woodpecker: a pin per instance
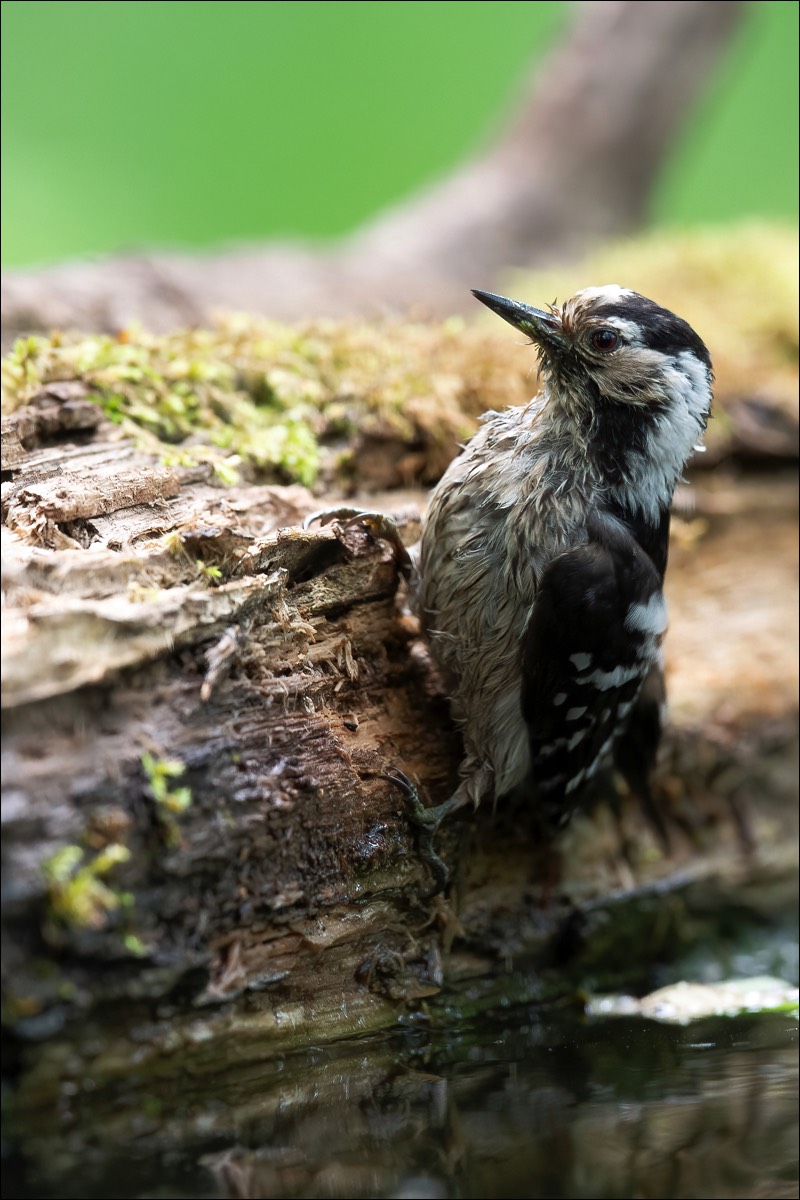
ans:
(543, 552)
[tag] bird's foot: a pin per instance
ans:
(427, 822)
(655, 816)
(378, 525)
(620, 794)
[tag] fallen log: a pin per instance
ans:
(202, 854)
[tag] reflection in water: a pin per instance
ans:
(524, 1108)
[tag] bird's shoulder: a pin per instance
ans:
(490, 471)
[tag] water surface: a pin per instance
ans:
(515, 1105)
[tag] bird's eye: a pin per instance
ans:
(605, 339)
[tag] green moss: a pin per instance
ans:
(182, 396)
(277, 401)
(296, 402)
(77, 896)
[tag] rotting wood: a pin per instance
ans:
(272, 668)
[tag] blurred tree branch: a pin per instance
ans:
(576, 163)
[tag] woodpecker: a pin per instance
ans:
(543, 551)
(539, 574)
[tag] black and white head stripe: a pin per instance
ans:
(647, 323)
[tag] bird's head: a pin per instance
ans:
(611, 346)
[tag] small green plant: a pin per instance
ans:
(134, 945)
(212, 574)
(159, 773)
(78, 897)
(173, 543)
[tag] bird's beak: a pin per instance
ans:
(541, 327)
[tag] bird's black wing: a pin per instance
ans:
(591, 641)
(651, 535)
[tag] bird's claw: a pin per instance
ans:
(427, 821)
(378, 525)
(326, 515)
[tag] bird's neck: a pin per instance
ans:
(626, 458)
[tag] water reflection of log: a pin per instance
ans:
(529, 1108)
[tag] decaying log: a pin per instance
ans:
(575, 164)
(201, 704)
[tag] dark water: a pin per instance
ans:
(522, 1106)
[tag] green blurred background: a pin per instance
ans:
(135, 123)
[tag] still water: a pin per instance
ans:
(521, 1105)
